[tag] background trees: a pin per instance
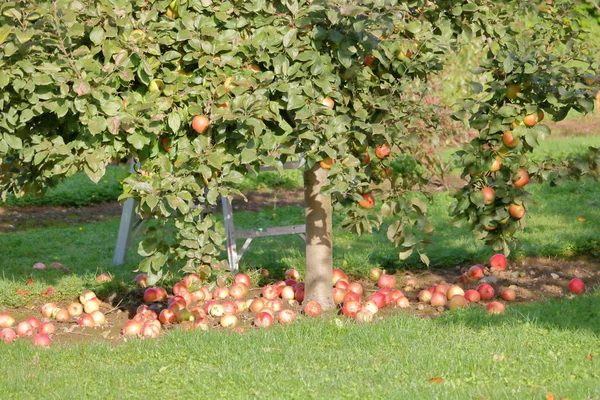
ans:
(202, 92)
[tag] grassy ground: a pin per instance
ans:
(527, 353)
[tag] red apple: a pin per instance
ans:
(516, 211)
(132, 328)
(47, 310)
(98, 317)
(200, 123)
(485, 291)
(300, 294)
(438, 299)
(338, 295)
(141, 280)
(521, 178)
(496, 165)
(476, 271)
(263, 320)
(286, 317)
(62, 315)
(498, 262)
(424, 296)
(402, 302)
(257, 305)
(6, 320)
(382, 151)
(34, 322)
(313, 309)
(151, 329)
(167, 317)
(337, 275)
(454, 290)
(370, 306)
(192, 281)
(368, 201)
(386, 281)
(228, 321)
(199, 295)
(75, 309)
(510, 140)
(472, 296)
(495, 307)
(47, 327)
(292, 274)
(288, 293)
(576, 286)
(103, 278)
(328, 102)
(350, 308)
(269, 292)
(442, 288)
(488, 195)
(530, 120)
(363, 316)
(242, 278)
(379, 299)
(508, 294)
(150, 295)
(86, 320)
(352, 296)
(230, 307)
(410, 282)
(86, 295)
(179, 288)
(92, 305)
(41, 340)
(356, 288)
(8, 335)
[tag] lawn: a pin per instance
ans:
(534, 349)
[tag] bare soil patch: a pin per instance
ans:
(533, 279)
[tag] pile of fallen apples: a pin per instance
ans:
(193, 305)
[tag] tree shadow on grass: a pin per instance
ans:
(575, 314)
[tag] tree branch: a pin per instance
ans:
(62, 42)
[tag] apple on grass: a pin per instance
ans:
(576, 286)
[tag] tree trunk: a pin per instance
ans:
(319, 261)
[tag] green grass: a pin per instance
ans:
(527, 352)
(77, 190)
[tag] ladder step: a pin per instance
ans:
(275, 231)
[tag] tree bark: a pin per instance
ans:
(319, 260)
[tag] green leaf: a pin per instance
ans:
(174, 121)
(248, 156)
(97, 35)
(290, 37)
(424, 259)
(147, 247)
(403, 255)
(5, 31)
(14, 142)
(97, 125)
(138, 141)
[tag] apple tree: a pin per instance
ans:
(202, 92)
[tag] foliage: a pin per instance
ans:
(88, 82)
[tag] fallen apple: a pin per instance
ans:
(576, 286)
